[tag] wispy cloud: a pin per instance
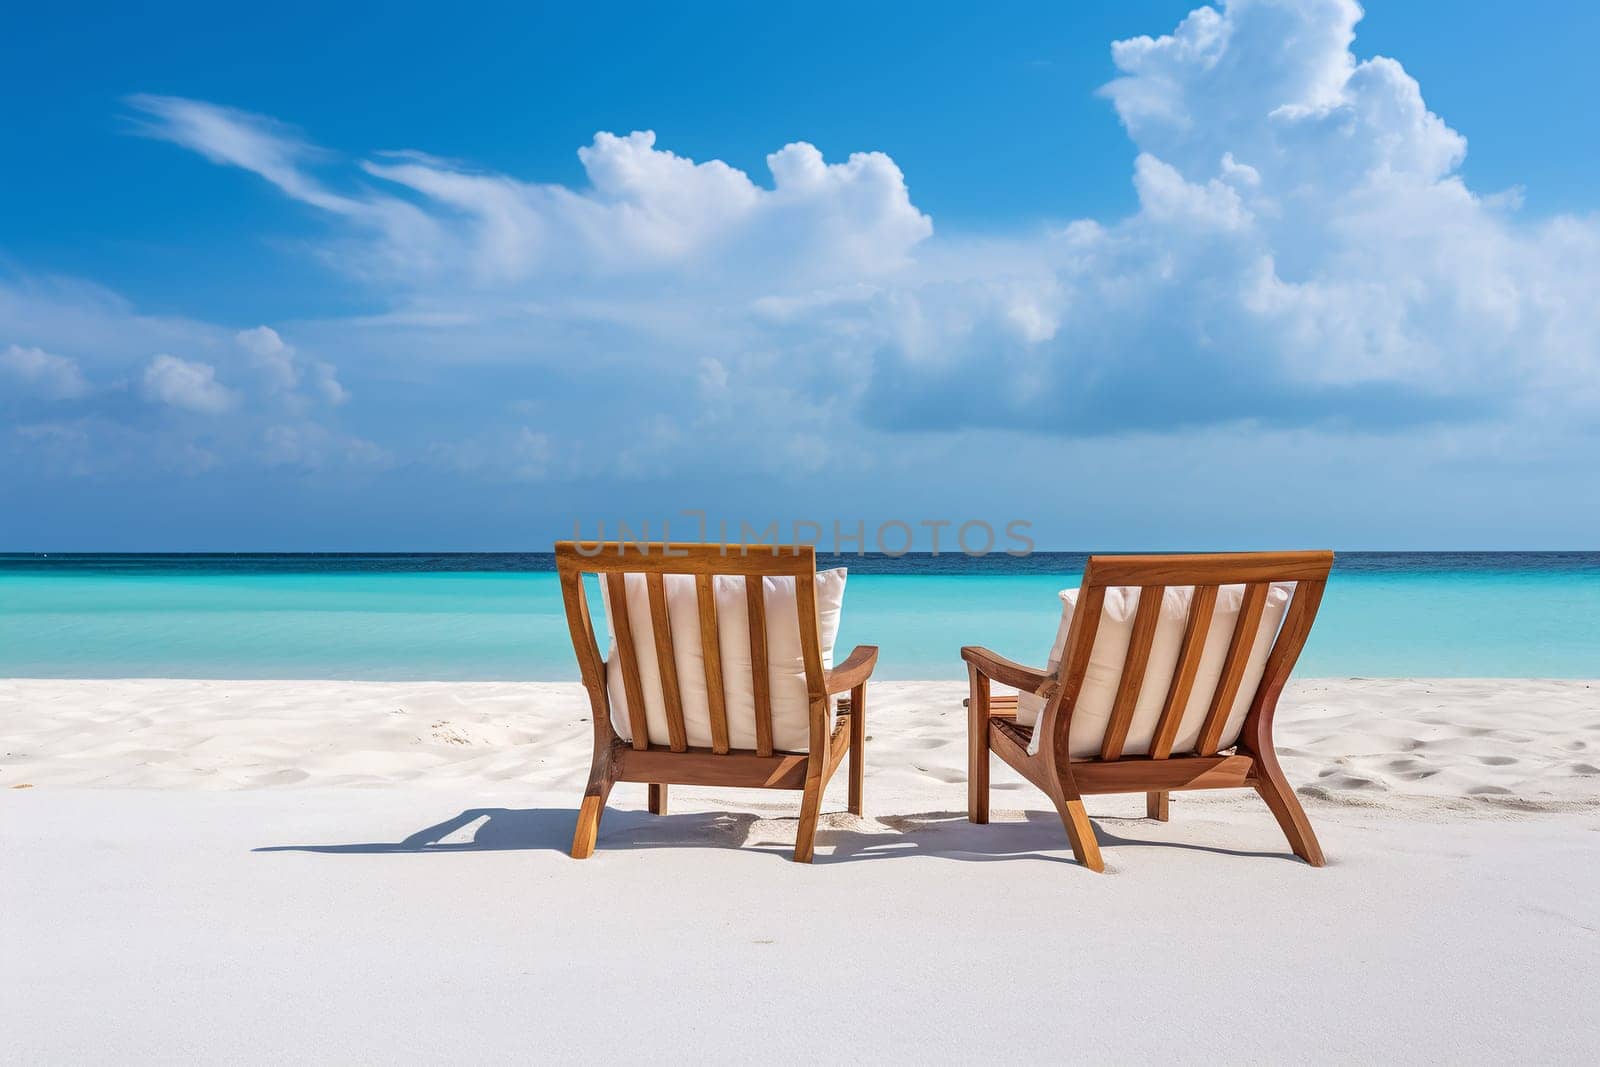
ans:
(256, 143)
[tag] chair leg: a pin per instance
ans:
(1080, 832)
(977, 747)
(805, 838)
(658, 799)
(601, 776)
(593, 806)
(1155, 806)
(1279, 795)
(588, 826)
(858, 739)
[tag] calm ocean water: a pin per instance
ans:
(499, 616)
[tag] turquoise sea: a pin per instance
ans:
(499, 616)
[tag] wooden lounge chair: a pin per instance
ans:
(718, 616)
(1118, 717)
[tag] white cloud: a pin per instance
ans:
(517, 454)
(264, 146)
(42, 373)
(283, 371)
(1166, 197)
(272, 356)
(1304, 249)
(325, 383)
(280, 155)
(1304, 252)
(312, 446)
(645, 208)
(713, 378)
(191, 386)
(77, 341)
(240, 139)
(115, 425)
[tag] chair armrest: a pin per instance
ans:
(856, 669)
(1004, 671)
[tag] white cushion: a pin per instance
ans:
(1099, 692)
(791, 701)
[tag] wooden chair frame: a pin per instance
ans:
(676, 763)
(992, 724)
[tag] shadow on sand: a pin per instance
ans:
(946, 834)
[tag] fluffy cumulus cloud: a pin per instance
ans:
(1305, 255)
(285, 374)
(186, 385)
(1305, 250)
(649, 209)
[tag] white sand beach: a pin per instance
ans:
(344, 872)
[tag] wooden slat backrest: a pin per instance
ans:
(805, 588)
(711, 643)
(1075, 660)
(576, 601)
(1203, 602)
(1152, 575)
(613, 561)
(621, 622)
(1133, 671)
(602, 557)
(1239, 645)
(666, 661)
(755, 598)
(1220, 568)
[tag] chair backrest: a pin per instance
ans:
(1174, 654)
(690, 625)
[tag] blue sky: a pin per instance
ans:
(310, 279)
